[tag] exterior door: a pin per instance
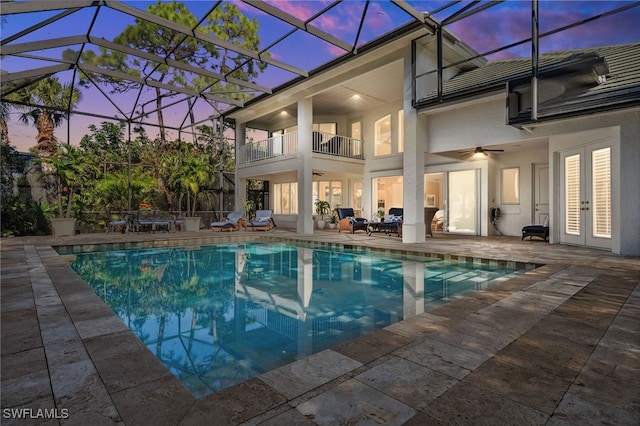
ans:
(586, 196)
(462, 202)
(540, 193)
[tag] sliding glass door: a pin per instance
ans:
(462, 202)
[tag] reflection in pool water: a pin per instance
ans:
(219, 315)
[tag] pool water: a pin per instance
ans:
(219, 315)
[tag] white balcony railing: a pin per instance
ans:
(287, 145)
(342, 146)
(275, 146)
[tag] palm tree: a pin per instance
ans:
(112, 190)
(4, 117)
(45, 105)
(196, 173)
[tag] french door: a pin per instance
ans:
(586, 196)
(540, 193)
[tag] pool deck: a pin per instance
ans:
(557, 345)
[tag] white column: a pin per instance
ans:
(241, 184)
(415, 144)
(305, 167)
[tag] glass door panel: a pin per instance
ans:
(357, 198)
(601, 189)
(462, 198)
(573, 195)
(586, 196)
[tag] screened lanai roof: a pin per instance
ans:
(131, 58)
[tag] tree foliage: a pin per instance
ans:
(226, 23)
(44, 104)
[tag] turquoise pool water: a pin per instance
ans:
(219, 315)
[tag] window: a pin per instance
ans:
(356, 130)
(401, 130)
(387, 193)
(357, 198)
(434, 190)
(326, 127)
(328, 190)
(285, 198)
(382, 136)
(510, 189)
(356, 133)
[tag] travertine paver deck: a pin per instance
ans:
(557, 345)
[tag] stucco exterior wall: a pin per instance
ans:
(483, 123)
(515, 216)
(470, 125)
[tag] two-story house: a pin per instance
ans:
(421, 121)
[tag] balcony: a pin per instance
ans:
(287, 146)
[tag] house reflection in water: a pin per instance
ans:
(219, 315)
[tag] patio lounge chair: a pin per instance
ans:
(263, 222)
(233, 222)
(119, 225)
(391, 222)
(348, 222)
(152, 221)
(540, 231)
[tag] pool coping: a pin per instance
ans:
(65, 249)
(101, 375)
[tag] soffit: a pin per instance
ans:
(289, 31)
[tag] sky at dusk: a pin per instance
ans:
(508, 22)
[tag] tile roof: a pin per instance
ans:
(622, 82)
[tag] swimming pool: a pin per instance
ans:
(219, 315)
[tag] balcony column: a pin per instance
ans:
(241, 184)
(415, 144)
(305, 167)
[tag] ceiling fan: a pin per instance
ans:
(480, 152)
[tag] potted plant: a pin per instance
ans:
(333, 221)
(322, 208)
(194, 175)
(65, 169)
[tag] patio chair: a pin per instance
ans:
(391, 222)
(233, 222)
(437, 224)
(143, 221)
(540, 231)
(163, 221)
(264, 221)
(429, 213)
(178, 222)
(118, 225)
(348, 222)
(152, 221)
